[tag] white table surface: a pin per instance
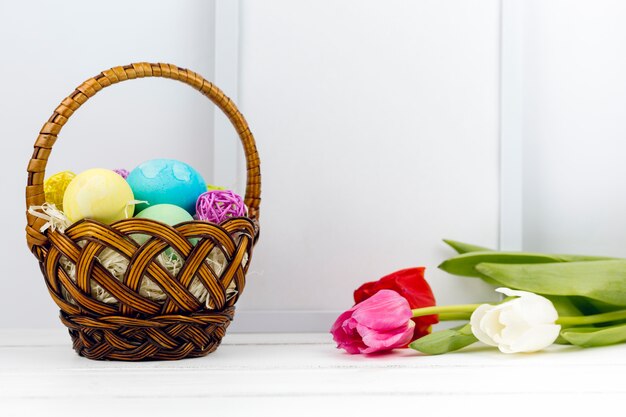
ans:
(303, 374)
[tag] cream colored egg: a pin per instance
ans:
(98, 194)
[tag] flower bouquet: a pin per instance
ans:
(564, 299)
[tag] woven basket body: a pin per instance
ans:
(135, 327)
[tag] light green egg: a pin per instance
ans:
(164, 213)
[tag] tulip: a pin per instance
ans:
(410, 284)
(380, 323)
(523, 324)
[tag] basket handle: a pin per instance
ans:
(51, 129)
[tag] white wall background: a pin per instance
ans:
(49, 48)
(376, 122)
(574, 126)
(377, 125)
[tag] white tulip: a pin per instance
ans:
(524, 324)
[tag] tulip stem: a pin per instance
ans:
(464, 312)
(453, 316)
(427, 311)
(591, 319)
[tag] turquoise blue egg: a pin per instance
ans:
(166, 181)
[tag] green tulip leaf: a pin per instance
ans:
(584, 258)
(465, 264)
(583, 306)
(589, 306)
(461, 247)
(595, 336)
(604, 281)
(445, 341)
(565, 306)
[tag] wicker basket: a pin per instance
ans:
(137, 328)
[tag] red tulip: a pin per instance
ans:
(411, 285)
(380, 323)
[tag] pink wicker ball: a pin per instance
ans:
(217, 205)
(123, 172)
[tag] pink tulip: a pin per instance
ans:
(381, 322)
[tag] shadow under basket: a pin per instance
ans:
(195, 304)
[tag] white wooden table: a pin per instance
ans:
(303, 374)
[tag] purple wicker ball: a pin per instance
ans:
(218, 205)
(123, 172)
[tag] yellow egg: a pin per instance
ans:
(98, 194)
(54, 187)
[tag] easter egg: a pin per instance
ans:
(54, 187)
(98, 194)
(166, 181)
(164, 213)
